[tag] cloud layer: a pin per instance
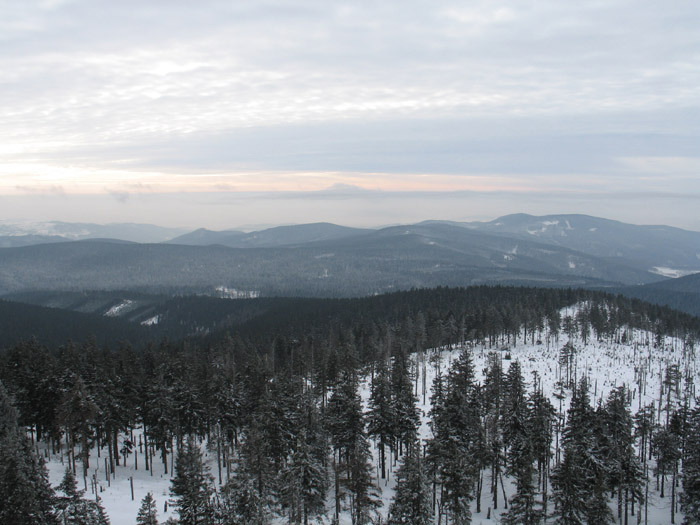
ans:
(545, 97)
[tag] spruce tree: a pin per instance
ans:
(73, 509)
(241, 502)
(148, 514)
(493, 419)
(573, 479)
(541, 419)
(381, 417)
(406, 418)
(690, 498)
(515, 407)
(412, 502)
(569, 492)
(77, 412)
(304, 482)
(25, 493)
(191, 487)
(667, 451)
(457, 445)
(624, 472)
(364, 494)
(525, 508)
(346, 424)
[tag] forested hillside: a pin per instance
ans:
(681, 294)
(309, 407)
(54, 327)
(396, 258)
(128, 318)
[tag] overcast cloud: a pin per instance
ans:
(225, 113)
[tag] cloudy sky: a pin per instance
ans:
(221, 114)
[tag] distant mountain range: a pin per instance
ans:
(324, 259)
(271, 237)
(667, 251)
(14, 234)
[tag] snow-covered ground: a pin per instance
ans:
(606, 365)
(151, 321)
(672, 272)
(120, 309)
(231, 293)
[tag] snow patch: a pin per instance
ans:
(572, 264)
(550, 223)
(592, 229)
(672, 272)
(120, 308)
(568, 225)
(231, 293)
(151, 321)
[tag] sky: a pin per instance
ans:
(222, 114)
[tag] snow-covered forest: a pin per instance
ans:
(525, 407)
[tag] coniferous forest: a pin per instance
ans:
(313, 410)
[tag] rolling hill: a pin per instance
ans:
(383, 260)
(272, 237)
(664, 250)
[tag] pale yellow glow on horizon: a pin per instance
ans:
(37, 178)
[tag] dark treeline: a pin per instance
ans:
(53, 327)
(277, 402)
(469, 313)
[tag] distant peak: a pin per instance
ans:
(339, 187)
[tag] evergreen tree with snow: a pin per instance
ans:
(569, 492)
(73, 509)
(457, 445)
(352, 459)
(598, 511)
(690, 497)
(493, 419)
(381, 416)
(644, 429)
(515, 406)
(148, 514)
(412, 501)
(623, 469)
(574, 478)
(667, 452)
(405, 412)
(304, 481)
(541, 419)
(344, 418)
(25, 493)
(191, 487)
(263, 448)
(525, 508)
(241, 502)
(359, 481)
(77, 413)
